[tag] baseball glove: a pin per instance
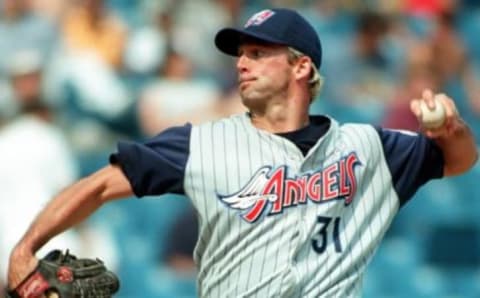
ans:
(68, 277)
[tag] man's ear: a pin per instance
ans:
(303, 68)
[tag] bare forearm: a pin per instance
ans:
(73, 205)
(459, 149)
(66, 210)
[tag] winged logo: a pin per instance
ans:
(251, 193)
(270, 190)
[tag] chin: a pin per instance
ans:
(252, 103)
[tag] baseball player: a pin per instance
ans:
(289, 205)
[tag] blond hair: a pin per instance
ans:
(315, 81)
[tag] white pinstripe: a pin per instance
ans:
(273, 257)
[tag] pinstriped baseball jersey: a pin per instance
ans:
(277, 224)
(277, 221)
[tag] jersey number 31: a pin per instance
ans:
(321, 238)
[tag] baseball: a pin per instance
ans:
(435, 118)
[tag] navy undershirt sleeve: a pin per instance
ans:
(156, 166)
(412, 158)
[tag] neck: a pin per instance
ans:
(283, 116)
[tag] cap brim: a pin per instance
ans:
(228, 40)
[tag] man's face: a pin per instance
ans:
(27, 87)
(12, 7)
(263, 73)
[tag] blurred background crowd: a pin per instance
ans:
(77, 76)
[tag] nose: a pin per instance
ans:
(242, 61)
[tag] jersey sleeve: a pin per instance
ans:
(156, 166)
(412, 158)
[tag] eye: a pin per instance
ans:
(258, 53)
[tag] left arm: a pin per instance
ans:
(454, 137)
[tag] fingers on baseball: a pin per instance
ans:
(451, 117)
(431, 100)
(429, 97)
(449, 105)
(451, 113)
(415, 108)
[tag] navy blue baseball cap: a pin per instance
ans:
(279, 26)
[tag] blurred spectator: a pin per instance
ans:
(422, 7)
(51, 9)
(194, 24)
(21, 29)
(335, 28)
(178, 266)
(7, 104)
(233, 8)
(374, 72)
(88, 87)
(430, 8)
(419, 75)
(86, 77)
(181, 243)
(36, 160)
(452, 62)
(94, 105)
(360, 69)
(145, 51)
(159, 14)
(147, 44)
(90, 27)
(176, 96)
